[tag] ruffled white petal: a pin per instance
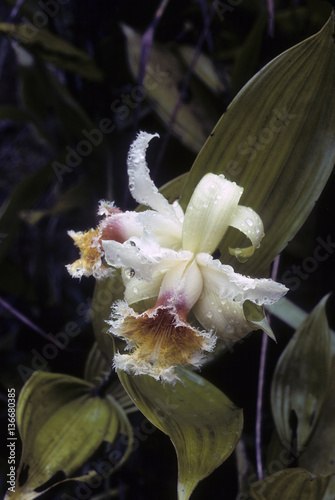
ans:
(141, 186)
(232, 286)
(106, 207)
(209, 213)
(143, 256)
(130, 364)
(159, 340)
(246, 220)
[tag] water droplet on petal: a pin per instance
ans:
(129, 272)
(132, 243)
(229, 329)
(249, 222)
(209, 314)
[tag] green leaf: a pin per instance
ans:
(319, 457)
(53, 49)
(246, 62)
(276, 140)
(290, 484)
(105, 293)
(163, 78)
(203, 424)
(61, 423)
(204, 68)
(301, 379)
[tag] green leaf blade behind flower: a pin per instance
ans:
(203, 424)
(301, 379)
(276, 140)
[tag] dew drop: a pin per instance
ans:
(249, 222)
(135, 289)
(132, 243)
(209, 314)
(130, 272)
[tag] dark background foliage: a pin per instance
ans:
(47, 99)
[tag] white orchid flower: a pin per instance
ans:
(182, 275)
(164, 220)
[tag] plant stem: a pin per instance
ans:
(260, 389)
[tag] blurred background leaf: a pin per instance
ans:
(301, 380)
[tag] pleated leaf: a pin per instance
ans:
(277, 141)
(291, 484)
(61, 423)
(203, 424)
(319, 457)
(301, 379)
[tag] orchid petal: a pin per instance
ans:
(209, 213)
(246, 220)
(120, 226)
(165, 230)
(181, 287)
(159, 340)
(141, 186)
(225, 318)
(235, 287)
(138, 290)
(90, 261)
(141, 256)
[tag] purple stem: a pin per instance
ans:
(260, 388)
(186, 81)
(28, 322)
(271, 17)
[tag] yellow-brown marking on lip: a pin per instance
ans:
(159, 338)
